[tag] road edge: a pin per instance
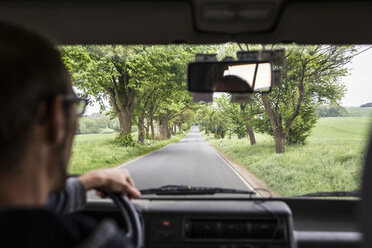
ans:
(256, 183)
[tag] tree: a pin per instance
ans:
(103, 72)
(238, 117)
(201, 117)
(310, 76)
(178, 102)
(139, 81)
(244, 115)
(185, 118)
(163, 93)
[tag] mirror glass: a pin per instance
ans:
(232, 76)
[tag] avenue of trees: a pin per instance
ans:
(146, 87)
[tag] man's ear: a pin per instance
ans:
(56, 120)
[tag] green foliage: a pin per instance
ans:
(147, 84)
(227, 117)
(186, 126)
(141, 82)
(87, 126)
(125, 139)
(106, 131)
(311, 76)
(95, 123)
(302, 126)
(331, 159)
(331, 111)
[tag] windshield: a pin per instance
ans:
(307, 135)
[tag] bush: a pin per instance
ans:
(301, 126)
(331, 111)
(300, 129)
(106, 131)
(125, 139)
(185, 127)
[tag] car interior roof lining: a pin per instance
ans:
(165, 22)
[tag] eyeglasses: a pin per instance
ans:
(80, 103)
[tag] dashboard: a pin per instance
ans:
(217, 224)
(241, 223)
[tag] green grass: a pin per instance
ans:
(331, 159)
(359, 112)
(93, 151)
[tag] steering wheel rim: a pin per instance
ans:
(133, 227)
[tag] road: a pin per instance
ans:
(190, 161)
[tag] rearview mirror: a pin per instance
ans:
(230, 76)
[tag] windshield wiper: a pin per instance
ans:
(352, 193)
(190, 190)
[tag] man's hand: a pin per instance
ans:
(117, 180)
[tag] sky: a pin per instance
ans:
(358, 83)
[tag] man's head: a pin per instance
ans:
(37, 121)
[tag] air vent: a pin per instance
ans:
(273, 229)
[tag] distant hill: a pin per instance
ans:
(359, 112)
(367, 105)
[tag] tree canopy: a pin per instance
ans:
(146, 86)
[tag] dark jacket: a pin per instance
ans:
(56, 225)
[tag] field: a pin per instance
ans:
(93, 151)
(331, 160)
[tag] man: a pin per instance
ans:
(39, 114)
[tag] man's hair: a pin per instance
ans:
(31, 70)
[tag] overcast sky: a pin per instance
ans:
(358, 83)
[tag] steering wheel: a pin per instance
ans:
(133, 227)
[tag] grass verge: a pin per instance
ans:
(331, 160)
(93, 151)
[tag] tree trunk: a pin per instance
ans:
(171, 131)
(122, 101)
(251, 135)
(125, 121)
(276, 125)
(279, 142)
(141, 129)
(147, 129)
(162, 132)
(229, 133)
(152, 127)
(158, 129)
(180, 127)
(168, 133)
(214, 129)
(164, 129)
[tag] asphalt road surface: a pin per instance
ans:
(190, 161)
